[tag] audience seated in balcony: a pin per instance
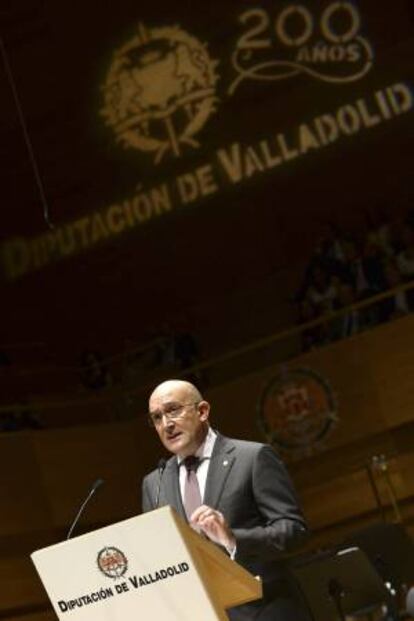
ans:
(344, 270)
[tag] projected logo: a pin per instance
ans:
(160, 91)
(325, 44)
(297, 411)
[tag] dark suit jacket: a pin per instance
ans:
(248, 483)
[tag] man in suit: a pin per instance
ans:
(237, 493)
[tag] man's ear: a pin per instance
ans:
(204, 410)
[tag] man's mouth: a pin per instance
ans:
(173, 436)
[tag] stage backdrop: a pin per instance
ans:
(207, 143)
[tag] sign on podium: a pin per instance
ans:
(153, 566)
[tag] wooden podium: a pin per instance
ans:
(153, 566)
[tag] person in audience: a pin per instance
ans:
(314, 336)
(372, 266)
(405, 258)
(19, 420)
(348, 324)
(322, 291)
(94, 373)
(399, 304)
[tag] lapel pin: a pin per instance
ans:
(225, 462)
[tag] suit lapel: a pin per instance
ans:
(221, 463)
(171, 487)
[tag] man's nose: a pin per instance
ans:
(168, 422)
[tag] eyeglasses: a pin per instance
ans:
(172, 411)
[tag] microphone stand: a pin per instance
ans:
(95, 486)
(336, 593)
(161, 467)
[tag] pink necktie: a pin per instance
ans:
(192, 496)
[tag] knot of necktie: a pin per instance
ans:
(191, 463)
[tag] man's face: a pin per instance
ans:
(185, 430)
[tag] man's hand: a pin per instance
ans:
(213, 524)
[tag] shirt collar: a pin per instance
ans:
(205, 450)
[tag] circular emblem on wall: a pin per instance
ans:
(112, 562)
(297, 411)
(160, 91)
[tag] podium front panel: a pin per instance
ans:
(138, 568)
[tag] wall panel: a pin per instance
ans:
(47, 473)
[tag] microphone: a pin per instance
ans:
(161, 467)
(93, 489)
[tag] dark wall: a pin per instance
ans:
(172, 260)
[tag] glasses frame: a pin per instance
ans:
(176, 412)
